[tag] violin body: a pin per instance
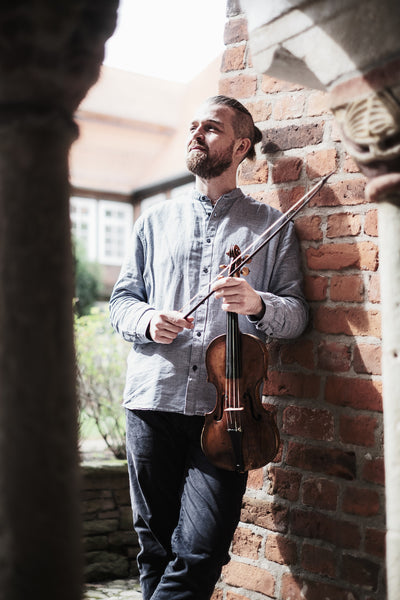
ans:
(239, 434)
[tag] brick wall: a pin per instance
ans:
(110, 543)
(313, 522)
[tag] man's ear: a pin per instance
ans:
(243, 146)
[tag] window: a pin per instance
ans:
(103, 227)
(83, 213)
(114, 227)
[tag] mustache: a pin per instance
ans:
(198, 145)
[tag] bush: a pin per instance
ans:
(87, 281)
(101, 365)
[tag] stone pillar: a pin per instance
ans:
(50, 55)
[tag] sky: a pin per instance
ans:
(170, 39)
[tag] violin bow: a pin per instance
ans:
(243, 258)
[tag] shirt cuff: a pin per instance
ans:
(143, 325)
(271, 320)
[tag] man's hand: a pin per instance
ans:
(165, 326)
(238, 296)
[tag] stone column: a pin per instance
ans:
(50, 55)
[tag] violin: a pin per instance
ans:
(239, 434)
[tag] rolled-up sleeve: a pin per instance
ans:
(286, 311)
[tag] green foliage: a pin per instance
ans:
(101, 364)
(87, 281)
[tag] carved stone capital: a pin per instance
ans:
(370, 127)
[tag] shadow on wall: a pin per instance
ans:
(319, 508)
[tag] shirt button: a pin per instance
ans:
(205, 270)
(194, 367)
(198, 334)
(208, 240)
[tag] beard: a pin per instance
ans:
(208, 167)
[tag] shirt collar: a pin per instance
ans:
(223, 203)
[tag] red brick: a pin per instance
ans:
(279, 549)
(253, 578)
(347, 288)
(246, 543)
(283, 199)
(269, 85)
(233, 59)
(253, 172)
(344, 193)
(364, 394)
(350, 165)
(294, 588)
(374, 291)
(374, 470)
(361, 501)
(320, 493)
(318, 104)
(287, 168)
(350, 321)
(298, 352)
(260, 111)
(311, 423)
(358, 430)
(255, 479)
(315, 287)
(361, 255)
(367, 359)
(320, 459)
(360, 571)
(235, 31)
(269, 515)
(371, 223)
(299, 385)
(318, 526)
(289, 107)
(343, 225)
(233, 596)
(292, 136)
(333, 356)
(240, 86)
(316, 559)
(309, 228)
(375, 542)
(219, 595)
(321, 162)
(284, 483)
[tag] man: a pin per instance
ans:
(185, 509)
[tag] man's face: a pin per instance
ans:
(211, 141)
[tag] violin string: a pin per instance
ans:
(288, 215)
(231, 374)
(236, 376)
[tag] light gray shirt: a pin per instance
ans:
(176, 250)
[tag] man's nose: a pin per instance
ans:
(198, 133)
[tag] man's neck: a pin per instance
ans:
(216, 187)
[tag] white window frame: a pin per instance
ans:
(120, 223)
(88, 218)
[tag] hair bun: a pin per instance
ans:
(257, 135)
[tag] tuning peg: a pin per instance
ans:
(245, 271)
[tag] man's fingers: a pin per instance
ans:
(165, 326)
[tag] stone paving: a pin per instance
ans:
(121, 589)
